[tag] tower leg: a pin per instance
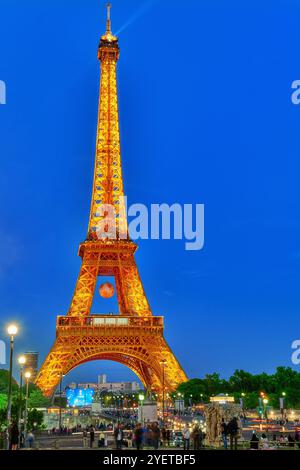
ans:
(84, 291)
(131, 291)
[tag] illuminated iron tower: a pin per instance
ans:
(134, 337)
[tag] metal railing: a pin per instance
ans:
(109, 321)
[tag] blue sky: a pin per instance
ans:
(206, 117)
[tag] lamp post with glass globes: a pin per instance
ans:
(265, 402)
(242, 403)
(21, 361)
(163, 363)
(180, 403)
(118, 406)
(60, 397)
(12, 330)
(27, 377)
(282, 404)
(141, 399)
(167, 402)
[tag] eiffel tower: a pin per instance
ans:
(134, 336)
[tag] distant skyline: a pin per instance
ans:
(206, 117)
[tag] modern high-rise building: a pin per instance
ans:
(102, 378)
(31, 364)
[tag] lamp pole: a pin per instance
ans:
(27, 377)
(12, 330)
(21, 361)
(60, 397)
(141, 399)
(282, 404)
(265, 402)
(163, 363)
(179, 404)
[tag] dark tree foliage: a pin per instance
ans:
(4, 380)
(284, 380)
(35, 400)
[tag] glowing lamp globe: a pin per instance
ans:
(12, 329)
(22, 360)
(106, 290)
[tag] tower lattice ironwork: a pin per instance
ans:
(134, 337)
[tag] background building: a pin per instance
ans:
(87, 385)
(31, 365)
(125, 387)
(103, 385)
(102, 378)
(72, 385)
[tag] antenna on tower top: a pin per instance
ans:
(108, 7)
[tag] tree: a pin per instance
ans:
(249, 386)
(60, 401)
(3, 401)
(37, 399)
(265, 383)
(194, 387)
(4, 381)
(242, 381)
(250, 400)
(202, 389)
(35, 419)
(214, 385)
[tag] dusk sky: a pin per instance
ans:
(206, 117)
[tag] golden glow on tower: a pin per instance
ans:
(133, 337)
(108, 36)
(108, 181)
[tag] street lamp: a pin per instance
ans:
(141, 398)
(181, 398)
(60, 396)
(27, 377)
(265, 402)
(163, 362)
(12, 330)
(282, 403)
(21, 361)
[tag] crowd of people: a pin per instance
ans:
(152, 435)
(230, 431)
(67, 431)
(266, 442)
